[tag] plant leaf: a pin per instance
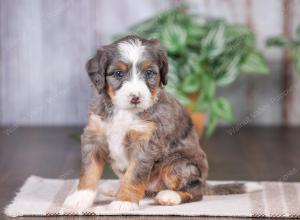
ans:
(277, 42)
(211, 125)
(76, 136)
(202, 104)
(214, 42)
(232, 71)
(208, 87)
(298, 32)
(174, 38)
(191, 84)
(222, 109)
(181, 97)
(255, 63)
(297, 63)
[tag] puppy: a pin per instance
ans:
(142, 131)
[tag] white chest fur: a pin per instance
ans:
(116, 128)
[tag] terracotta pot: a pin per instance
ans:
(198, 118)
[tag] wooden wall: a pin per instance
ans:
(44, 46)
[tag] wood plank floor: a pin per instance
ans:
(255, 153)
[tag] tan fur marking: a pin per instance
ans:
(94, 124)
(171, 181)
(111, 92)
(144, 135)
(146, 65)
(91, 175)
(122, 66)
(185, 196)
(155, 91)
(130, 189)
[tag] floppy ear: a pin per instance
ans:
(164, 66)
(162, 60)
(96, 68)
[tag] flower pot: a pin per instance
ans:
(198, 118)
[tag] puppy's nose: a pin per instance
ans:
(135, 100)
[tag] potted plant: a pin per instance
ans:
(293, 46)
(204, 54)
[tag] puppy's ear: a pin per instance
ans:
(162, 60)
(164, 67)
(96, 68)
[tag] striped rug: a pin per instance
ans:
(44, 197)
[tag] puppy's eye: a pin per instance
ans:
(149, 73)
(118, 74)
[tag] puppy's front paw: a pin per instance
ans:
(123, 206)
(168, 197)
(80, 200)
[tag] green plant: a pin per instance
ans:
(203, 54)
(293, 45)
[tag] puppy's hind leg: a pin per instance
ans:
(183, 182)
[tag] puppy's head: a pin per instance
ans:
(131, 71)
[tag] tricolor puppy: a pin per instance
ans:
(142, 131)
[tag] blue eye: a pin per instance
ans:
(118, 74)
(150, 73)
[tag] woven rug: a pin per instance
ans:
(44, 197)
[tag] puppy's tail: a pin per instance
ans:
(231, 188)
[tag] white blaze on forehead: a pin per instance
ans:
(131, 50)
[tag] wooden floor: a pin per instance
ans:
(250, 154)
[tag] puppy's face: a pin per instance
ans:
(131, 71)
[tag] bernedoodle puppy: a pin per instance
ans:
(142, 131)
